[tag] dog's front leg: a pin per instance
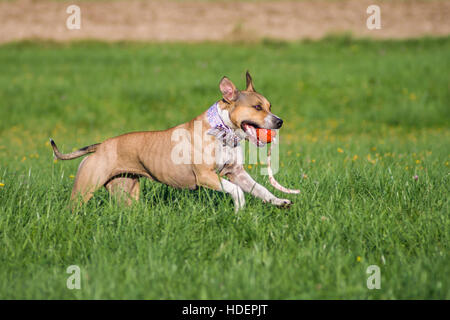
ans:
(241, 178)
(211, 180)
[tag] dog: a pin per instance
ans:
(119, 162)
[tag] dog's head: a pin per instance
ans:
(247, 109)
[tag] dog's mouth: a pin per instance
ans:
(249, 128)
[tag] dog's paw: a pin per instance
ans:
(284, 203)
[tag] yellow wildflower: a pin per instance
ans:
(369, 158)
(355, 157)
(2, 184)
(71, 176)
(340, 150)
(358, 258)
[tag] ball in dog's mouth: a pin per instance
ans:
(258, 136)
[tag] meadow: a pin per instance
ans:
(366, 138)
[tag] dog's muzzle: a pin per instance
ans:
(273, 122)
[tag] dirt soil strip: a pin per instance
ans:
(219, 21)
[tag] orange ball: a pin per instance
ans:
(265, 135)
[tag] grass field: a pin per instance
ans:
(366, 138)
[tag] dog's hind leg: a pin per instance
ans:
(124, 188)
(89, 178)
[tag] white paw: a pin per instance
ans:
(281, 202)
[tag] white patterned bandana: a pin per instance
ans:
(219, 129)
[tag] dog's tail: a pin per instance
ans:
(75, 154)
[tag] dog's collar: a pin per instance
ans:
(219, 129)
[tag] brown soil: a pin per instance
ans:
(219, 21)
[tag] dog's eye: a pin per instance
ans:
(257, 107)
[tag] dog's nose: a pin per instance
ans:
(279, 123)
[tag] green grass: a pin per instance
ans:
(361, 119)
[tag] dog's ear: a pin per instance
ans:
(250, 86)
(228, 89)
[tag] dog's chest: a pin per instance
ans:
(228, 156)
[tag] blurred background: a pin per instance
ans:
(140, 65)
(215, 20)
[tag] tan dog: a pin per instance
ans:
(118, 162)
